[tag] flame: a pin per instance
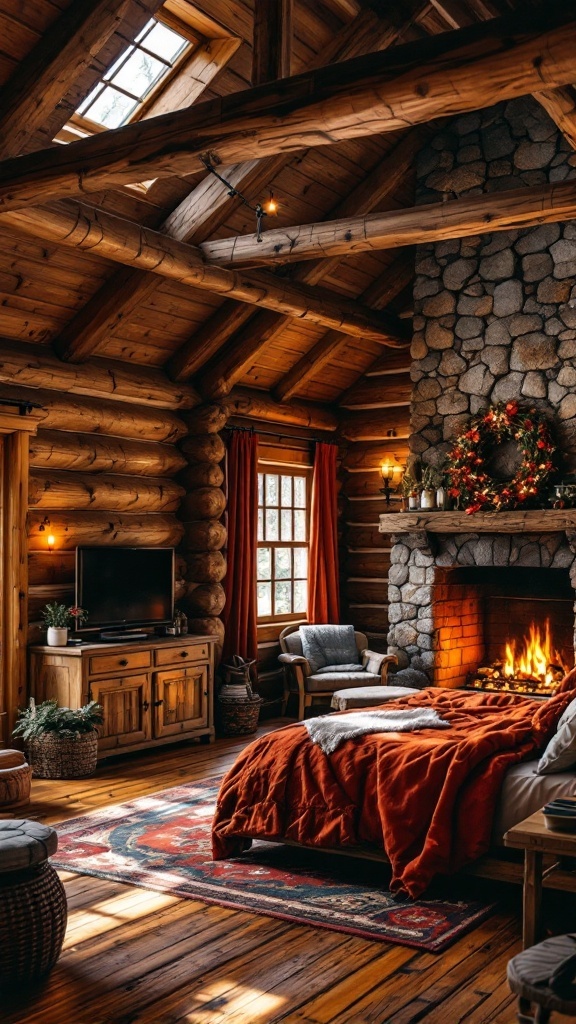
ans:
(535, 658)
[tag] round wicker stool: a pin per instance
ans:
(545, 976)
(32, 902)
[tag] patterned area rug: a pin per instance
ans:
(162, 842)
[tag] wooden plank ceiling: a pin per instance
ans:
(80, 303)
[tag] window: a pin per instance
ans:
(282, 545)
(122, 90)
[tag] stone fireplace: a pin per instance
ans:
(495, 320)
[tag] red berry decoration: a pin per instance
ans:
(473, 488)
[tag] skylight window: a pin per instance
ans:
(125, 86)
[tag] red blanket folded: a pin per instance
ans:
(427, 798)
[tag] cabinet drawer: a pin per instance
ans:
(181, 655)
(119, 661)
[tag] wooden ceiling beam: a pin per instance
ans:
(46, 74)
(446, 74)
(123, 241)
(433, 222)
(212, 336)
(272, 40)
(390, 283)
(560, 104)
(258, 405)
(198, 216)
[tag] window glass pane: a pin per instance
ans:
(299, 525)
(147, 27)
(300, 563)
(264, 564)
(164, 42)
(90, 98)
(271, 489)
(111, 108)
(260, 488)
(282, 598)
(260, 524)
(300, 596)
(264, 599)
(286, 491)
(139, 73)
(300, 491)
(286, 524)
(271, 524)
(282, 563)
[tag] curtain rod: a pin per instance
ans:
(288, 437)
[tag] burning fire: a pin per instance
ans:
(536, 660)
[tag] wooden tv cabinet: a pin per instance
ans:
(152, 691)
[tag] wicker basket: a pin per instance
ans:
(58, 757)
(239, 717)
(15, 785)
(32, 923)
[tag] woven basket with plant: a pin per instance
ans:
(62, 743)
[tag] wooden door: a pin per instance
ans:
(126, 707)
(180, 700)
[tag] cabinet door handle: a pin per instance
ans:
(145, 706)
(183, 654)
(123, 662)
(158, 703)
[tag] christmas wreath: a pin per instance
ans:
(471, 484)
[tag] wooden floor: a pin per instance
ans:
(137, 957)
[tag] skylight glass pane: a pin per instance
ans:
(166, 43)
(90, 98)
(118, 64)
(111, 108)
(139, 73)
(149, 25)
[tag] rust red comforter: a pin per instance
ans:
(427, 798)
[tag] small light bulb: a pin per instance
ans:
(50, 540)
(271, 206)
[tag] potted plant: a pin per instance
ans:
(429, 484)
(410, 490)
(62, 743)
(57, 619)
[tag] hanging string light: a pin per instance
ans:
(266, 209)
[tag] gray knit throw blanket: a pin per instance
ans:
(329, 731)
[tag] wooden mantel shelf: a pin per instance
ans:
(529, 521)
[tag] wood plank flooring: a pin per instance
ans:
(137, 957)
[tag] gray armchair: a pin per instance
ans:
(371, 670)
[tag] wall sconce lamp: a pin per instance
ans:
(391, 473)
(45, 522)
(266, 209)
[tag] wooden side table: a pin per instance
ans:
(532, 836)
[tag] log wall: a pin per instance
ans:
(102, 468)
(375, 408)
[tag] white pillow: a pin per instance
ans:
(560, 753)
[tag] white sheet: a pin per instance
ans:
(524, 792)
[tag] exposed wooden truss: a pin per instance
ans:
(449, 73)
(495, 211)
(125, 242)
(561, 105)
(259, 330)
(272, 41)
(197, 217)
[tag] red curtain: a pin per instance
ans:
(323, 581)
(240, 611)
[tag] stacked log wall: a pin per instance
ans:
(102, 465)
(202, 512)
(374, 426)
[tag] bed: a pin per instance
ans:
(429, 802)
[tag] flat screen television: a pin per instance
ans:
(125, 588)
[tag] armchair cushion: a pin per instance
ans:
(331, 681)
(329, 645)
(354, 667)
(372, 661)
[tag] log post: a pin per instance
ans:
(201, 512)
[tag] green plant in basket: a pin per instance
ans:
(39, 719)
(60, 616)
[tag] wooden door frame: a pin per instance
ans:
(15, 430)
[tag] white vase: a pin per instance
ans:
(428, 499)
(413, 502)
(57, 636)
(441, 498)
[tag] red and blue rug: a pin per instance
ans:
(162, 842)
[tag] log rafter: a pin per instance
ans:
(411, 84)
(199, 215)
(494, 211)
(257, 331)
(125, 242)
